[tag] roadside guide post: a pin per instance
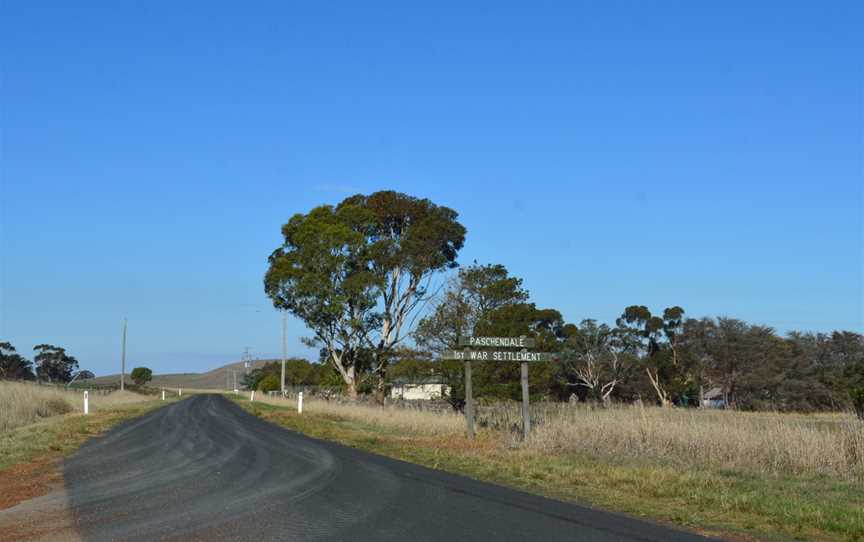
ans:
(487, 352)
(86, 403)
(163, 394)
(300, 403)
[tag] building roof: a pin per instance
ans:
(416, 381)
(713, 393)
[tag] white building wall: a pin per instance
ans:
(419, 392)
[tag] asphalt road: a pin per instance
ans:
(204, 469)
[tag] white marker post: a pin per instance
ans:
(252, 397)
(179, 392)
(163, 395)
(86, 402)
(300, 403)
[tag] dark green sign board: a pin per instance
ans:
(491, 351)
(499, 355)
(497, 342)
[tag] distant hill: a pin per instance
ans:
(212, 380)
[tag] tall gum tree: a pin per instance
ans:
(647, 333)
(469, 297)
(594, 357)
(358, 274)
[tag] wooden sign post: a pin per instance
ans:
(486, 349)
(526, 413)
(469, 401)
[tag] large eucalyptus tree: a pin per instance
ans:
(358, 274)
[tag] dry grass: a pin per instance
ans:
(764, 443)
(388, 418)
(24, 403)
(768, 443)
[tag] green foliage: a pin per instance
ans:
(141, 375)
(471, 296)
(356, 272)
(13, 366)
(269, 383)
(298, 372)
(594, 360)
(503, 380)
(412, 364)
(53, 364)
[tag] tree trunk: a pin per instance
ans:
(380, 390)
(350, 377)
(352, 390)
(661, 393)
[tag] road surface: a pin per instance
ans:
(204, 469)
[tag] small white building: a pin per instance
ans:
(419, 389)
(714, 398)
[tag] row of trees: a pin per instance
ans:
(665, 358)
(50, 364)
(361, 276)
(298, 372)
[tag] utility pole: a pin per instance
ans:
(284, 347)
(247, 360)
(123, 359)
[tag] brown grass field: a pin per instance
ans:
(23, 403)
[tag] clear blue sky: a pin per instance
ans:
(704, 154)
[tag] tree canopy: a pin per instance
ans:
(141, 375)
(13, 365)
(357, 273)
(53, 364)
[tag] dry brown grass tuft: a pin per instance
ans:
(22, 403)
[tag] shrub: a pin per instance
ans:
(142, 375)
(269, 383)
(54, 406)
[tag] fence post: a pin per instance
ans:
(86, 403)
(300, 403)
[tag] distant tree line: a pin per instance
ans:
(50, 364)
(360, 276)
(298, 372)
(664, 358)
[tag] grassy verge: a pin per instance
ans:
(734, 504)
(56, 436)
